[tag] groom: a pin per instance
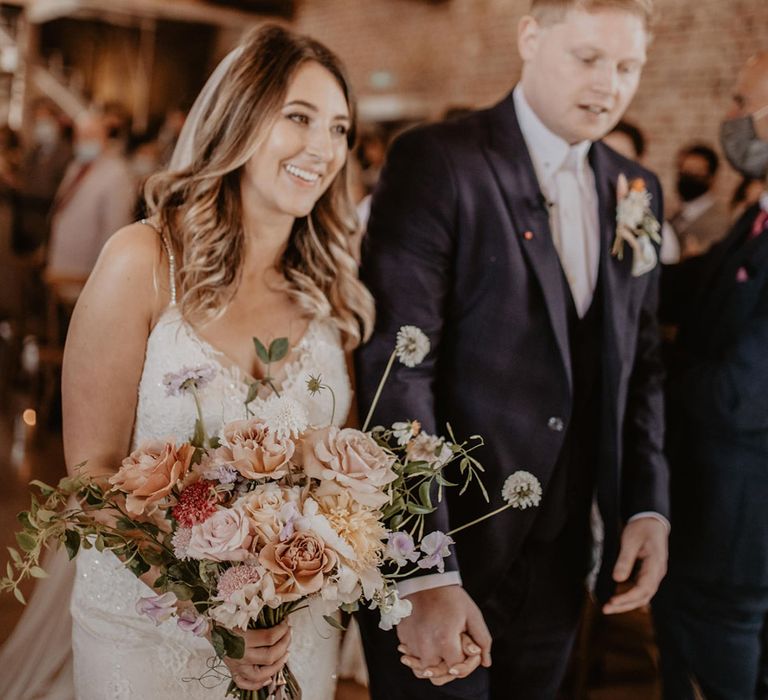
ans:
(493, 234)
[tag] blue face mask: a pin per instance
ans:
(87, 151)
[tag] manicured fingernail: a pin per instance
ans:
(406, 662)
(473, 649)
(453, 671)
(427, 674)
(402, 649)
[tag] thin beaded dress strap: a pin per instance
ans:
(171, 257)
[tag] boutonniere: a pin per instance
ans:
(636, 225)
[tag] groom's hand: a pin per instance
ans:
(644, 540)
(432, 633)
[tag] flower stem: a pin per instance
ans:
(384, 378)
(479, 520)
(199, 409)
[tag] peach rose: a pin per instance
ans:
(225, 536)
(263, 506)
(352, 459)
(255, 451)
(298, 565)
(149, 474)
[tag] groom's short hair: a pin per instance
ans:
(552, 11)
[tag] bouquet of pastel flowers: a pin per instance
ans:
(240, 529)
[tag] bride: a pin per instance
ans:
(249, 235)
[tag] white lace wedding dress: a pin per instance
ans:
(120, 655)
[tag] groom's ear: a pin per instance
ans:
(528, 37)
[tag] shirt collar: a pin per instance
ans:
(548, 150)
(697, 207)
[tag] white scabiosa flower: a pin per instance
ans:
(522, 490)
(285, 417)
(412, 346)
(403, 431)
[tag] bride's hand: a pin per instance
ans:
(266, 652)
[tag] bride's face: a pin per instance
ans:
(304, 149)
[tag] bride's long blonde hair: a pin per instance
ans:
(200, 207)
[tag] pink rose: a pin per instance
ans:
(149, 474)
(255, 451)
(299, 565)
(352, 459)
(225, 536)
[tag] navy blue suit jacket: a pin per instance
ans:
(449, 249)
(718, 410)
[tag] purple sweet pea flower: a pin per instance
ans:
(176, 382)
(435, 547)
(400, 548)
(158, 608)
(190, 621)
(222, 473)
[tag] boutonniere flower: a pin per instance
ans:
(636, 225)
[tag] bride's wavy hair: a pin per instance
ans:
(199, 205)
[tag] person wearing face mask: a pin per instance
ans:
(711, 611)
(96, 197)
(702, 219)
(43, 163)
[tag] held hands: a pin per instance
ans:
(266, 652)
(445, 637)
(644, 540)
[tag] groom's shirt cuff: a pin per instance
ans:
(424, 583)
(651, 514)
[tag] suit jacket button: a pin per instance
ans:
(556, 424)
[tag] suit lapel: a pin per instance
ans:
(511, 163)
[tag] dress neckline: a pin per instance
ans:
(283, 374)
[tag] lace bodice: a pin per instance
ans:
(159, 415)
(120, 655)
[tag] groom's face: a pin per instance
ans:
(581, 73)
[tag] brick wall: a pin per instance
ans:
(463, 52)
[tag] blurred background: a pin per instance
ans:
(67, 182)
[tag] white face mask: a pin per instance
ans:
(46, 133)
(87, 151)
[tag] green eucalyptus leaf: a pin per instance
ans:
(9, 570)
(396, 522)
(253, 392)
(124, 523)
(278, 349)
(424, 495)
(214, 442)
(26, 541)
(19, 596)
(234, 644)
(14, 554)
(261, 351)
(72, 543)
(37, 572)
(99, 543)
(416, 509)
(333, 622)
(45, 489)
(152, 556)
(23, 518)
(160, 582)
(45, 516)
(217, 640)
(182, 591)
